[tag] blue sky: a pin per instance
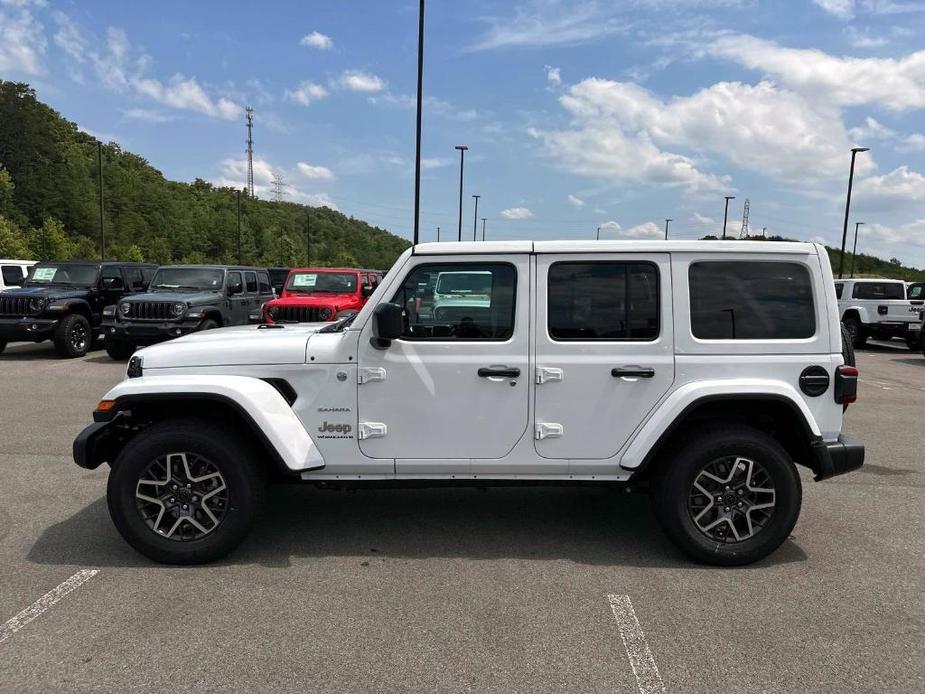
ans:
(577, 114)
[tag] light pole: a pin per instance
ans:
(844, 232)
(308, 240)
(475, 218)
(764, 232)
(666, 228)
(854, 251)
(598, 237)
(484, 219)
(238, 196)
(99, 162)
(726, 212)
(462, 157)
(417, 134)
(438, 233)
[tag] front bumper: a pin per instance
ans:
(837, 457)
(27, 329)
(90, 446)
(148, 333)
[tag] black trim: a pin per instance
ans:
(284, 388)
(814, 381)
(87, 445)
(838, 457)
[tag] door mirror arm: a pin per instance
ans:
(387, 325)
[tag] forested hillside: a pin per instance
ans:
(49, 205)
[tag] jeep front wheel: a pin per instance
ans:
(185, 492)
(730, 496)
(2, 346)
(119, 349)
(208, 324)
(856, 331)
(72, 336)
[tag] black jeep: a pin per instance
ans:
(63, 301)
(183, 299)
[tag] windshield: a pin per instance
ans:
(198, 278)
(464, 283)
(322, 282)
(71, 275)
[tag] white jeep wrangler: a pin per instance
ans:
(879, 309)
(698, 371)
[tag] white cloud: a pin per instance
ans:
(317, 40)
(186, 93)
(703, 219)
(233, 173)
(646, 230)
(22, 42)
(610, 228)
(553, 76)
(434, 162)
(871, 130)
(307, 93)
(915, 142)
(900, 185)
(316, 173)
(358, 81)
(516, 213)
(69, 38)
(575, 201)
(897, 84)
(146, 115)
(841, 9)
(863, 39)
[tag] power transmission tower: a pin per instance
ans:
(744, 233)
(250, 150)
(279, 186)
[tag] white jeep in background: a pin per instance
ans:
(13, 272)
(702, 372)
(879, 309)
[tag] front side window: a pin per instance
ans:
(878, 291)
(322, 283)
(603, 301)
(190, 278)
(458, 301)
(751, 300)
(71, 275)
(12, 274)
(234, 280)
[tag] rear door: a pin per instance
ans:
(238, 300)
(604, 350)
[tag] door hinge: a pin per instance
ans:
(545, 374)
(548, 430)
(369, 374)
(372, 430)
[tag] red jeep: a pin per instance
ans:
(321, 294)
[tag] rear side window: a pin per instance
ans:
(878, 291)
(12, 274)
(839, 288)
(263, 280)
(603, 301)
(751, 300)
(250, 279)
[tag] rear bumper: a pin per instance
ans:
(837, 457)
(27, 329)
(893, 328)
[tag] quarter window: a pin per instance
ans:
(751, 300)
(264, 282)
(458, 301)
(603, 301)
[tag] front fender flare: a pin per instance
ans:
(675, 405)
(269, 412)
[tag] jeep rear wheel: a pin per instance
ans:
(185, 492)
(73, 336)
(728, 497)
(119, 349)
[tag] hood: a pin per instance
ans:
(309, 300)
(238, 345)
(173, 297)
(50, 293)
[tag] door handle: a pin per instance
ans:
(632, 372)
(499, 372)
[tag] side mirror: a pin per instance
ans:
(387, 325)
(236, 288)
(368, 290)
(113, 283)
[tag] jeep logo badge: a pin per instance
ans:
(327, 427)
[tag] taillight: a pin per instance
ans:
(846, 384)
(883, 310)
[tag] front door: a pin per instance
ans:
(455, 386)
(604, 350)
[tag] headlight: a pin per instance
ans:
(135, 368)
(273, 311)
(37, 305)
(325, 313)
(124, 309)
(178, 309)
(109, 311)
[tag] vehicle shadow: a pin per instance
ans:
(596, 526)
(40, 351)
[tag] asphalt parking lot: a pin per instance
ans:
(457, 590)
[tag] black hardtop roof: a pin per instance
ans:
(105, 263)
(192, 266)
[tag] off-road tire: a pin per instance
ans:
(67, 337)
(235, 460)
(674, 480)
(208, 324)
(2, 346)
(856, 331)
(120, 350)
(847, 348)
(913, 342)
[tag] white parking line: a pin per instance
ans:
(43, 603)
(637, 649)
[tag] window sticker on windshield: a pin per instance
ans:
(304, 280)
(44, 273)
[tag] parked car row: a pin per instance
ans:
(74, 303)
(882, 309)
